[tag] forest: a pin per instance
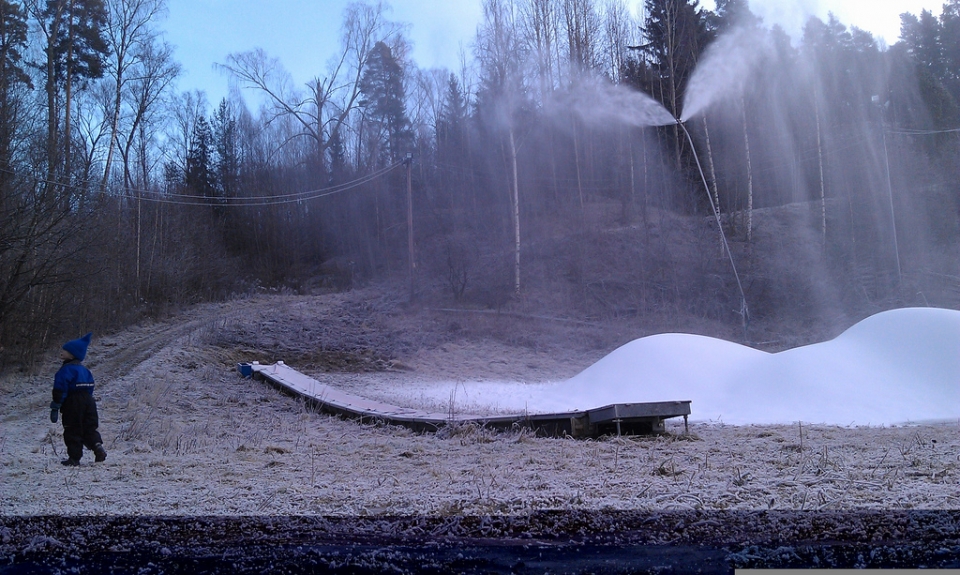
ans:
(530, 180)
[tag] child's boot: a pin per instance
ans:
(100, 454)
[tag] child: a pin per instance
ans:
(73, 397)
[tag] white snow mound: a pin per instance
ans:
(895, 367)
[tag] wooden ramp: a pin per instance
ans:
(619, 418)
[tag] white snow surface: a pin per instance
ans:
(899, 366)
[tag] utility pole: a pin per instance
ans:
(412, 264)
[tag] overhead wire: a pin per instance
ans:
(918, 132)
(226, 201)
(260, 201)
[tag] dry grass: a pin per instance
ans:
(188, 436)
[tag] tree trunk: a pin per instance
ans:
(646, 179)
(139, 241)
(576, 161)
(746, 145)
(823, 200)
(674, 103)
(51, 90)
(893, 217)
(633, 175)
(114, 128)
(68, 99)
(516, 214)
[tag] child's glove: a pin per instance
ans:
(54, 411)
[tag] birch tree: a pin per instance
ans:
(501, 61)
(619, 31)
(132, 41)
(146, 94)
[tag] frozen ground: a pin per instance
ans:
(208, 472)
(187, 436)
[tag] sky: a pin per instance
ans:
(304, 34)
(896, 367)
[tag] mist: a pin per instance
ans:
(550, 175)
(601, 104)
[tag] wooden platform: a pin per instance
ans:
(619, 418)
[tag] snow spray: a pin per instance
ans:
(603, 103)
(721, 73)
(724, 69)
(598, 102)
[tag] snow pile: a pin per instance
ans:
(895, 367)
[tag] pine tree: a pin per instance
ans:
(382, 88)
(75, 50)
(950, 41)
(452, 143)
(922, 36)
(199, 177)
(934, 47)
(676, 33)
(13, 41)
(453, 117)
(79, 44)
(226, 140)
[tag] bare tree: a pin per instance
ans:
(426, 100)
(619, 31)
(145, 94)
(539, 27)
(749, 164)
(92, 130)
(582, 28)
(325, 106)
(132, 41)
(186, 110)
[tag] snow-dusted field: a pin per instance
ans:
(187, 436)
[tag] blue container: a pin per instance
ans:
(245, 369)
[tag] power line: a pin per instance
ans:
(917, 132)
(258, 201)
(251, 201)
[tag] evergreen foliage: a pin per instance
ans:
(78, 44)
(385, 101)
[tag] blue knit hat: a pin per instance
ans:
(78, 347)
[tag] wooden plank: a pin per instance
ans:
(574, 423)
(661, 409)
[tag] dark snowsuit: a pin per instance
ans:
(73, 391)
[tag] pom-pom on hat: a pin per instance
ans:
(78, 347)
